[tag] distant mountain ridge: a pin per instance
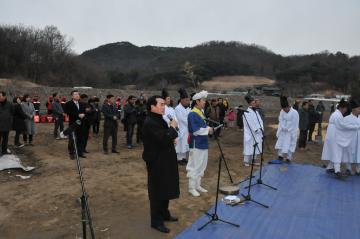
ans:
(44, 56)
(153, 63)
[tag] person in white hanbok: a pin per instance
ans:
(346, 130)
(331, 149)
(356, 149)
(253, 131)
(169, 110)
(351, 153)
(182, 111)
(287, 132)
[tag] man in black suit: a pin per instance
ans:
(111, 117)
(76, 111)
(161, 163)
(87, 120)
(130, 118)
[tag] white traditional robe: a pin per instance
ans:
(331, 149)
(356, 146)
(182, 146)
(351, 154)
(356, 149)
(287, 131)
(346, 131)
(169, 111)
(252, 124)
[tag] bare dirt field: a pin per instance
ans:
(232, 82)
(45, 206)
(17, 83)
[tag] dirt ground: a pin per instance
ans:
(45, 206)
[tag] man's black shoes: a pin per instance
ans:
(330, 171)
(115, 152)
(172, 219)
(161, 228)
(340, 176)
(182, 162)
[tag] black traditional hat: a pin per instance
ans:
(354, 102)
(164, 93)
(249, 98)
(183, 93)
(284, 102)
(343, 103)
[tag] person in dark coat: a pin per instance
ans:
(6, 119)
(239, 117)
(87, 120)
(130, 119)
(58, 114)
(111, 117)
(296, 105)
(97, 115)
(18, 121)
(320, 109)
(313, 119)
(222, 113)
(303, 124)
(140, 105)
(76, 111)
(161, 163)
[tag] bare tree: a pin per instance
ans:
(188, 68)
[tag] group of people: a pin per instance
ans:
(342, 142)
(88, 113)
(342, 138)
(166, 142)
(18, 116)
(179, 135)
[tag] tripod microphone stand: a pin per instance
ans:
(259, 181)
(220, 148)
(85, 210)
(255, 146)
(214, 216)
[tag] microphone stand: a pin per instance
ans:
(248, 196)
(220, 149)
(214, 216)
(85, 210)
(259, 181)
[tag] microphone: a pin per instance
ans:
(254, 109)
(71, 128)
(218, 127)
(171, 119)
(212, 121)
(241, 110)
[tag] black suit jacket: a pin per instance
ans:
(160, 157)
(73, 112)
(109, 111)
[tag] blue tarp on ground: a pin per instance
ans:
(308, 204)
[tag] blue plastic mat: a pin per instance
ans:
(308, 204)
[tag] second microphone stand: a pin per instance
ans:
(259, 181)
(255, 146)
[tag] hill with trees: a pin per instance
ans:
(44, 56)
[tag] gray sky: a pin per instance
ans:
(284, 26)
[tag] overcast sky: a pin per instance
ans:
(284, 26)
